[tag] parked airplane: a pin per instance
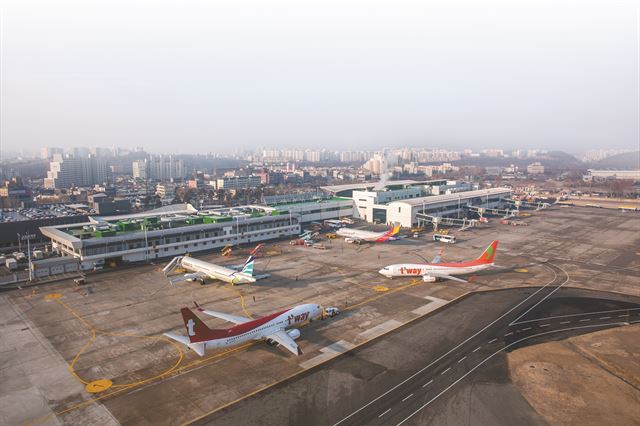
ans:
(201, 270)
(271, 328)
(359, 236)
(430, 272)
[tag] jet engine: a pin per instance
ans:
(294, 333)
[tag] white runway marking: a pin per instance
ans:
(427, 384)
(558, 287)
(384, 413)
(585, 320)
(462, 359)
(555, 275)
(545, 325)
(584, 313)
(605, 318)
(407, 397)
(494, 340)
(565, 322)
(526, 329)
(494, 354)
(445, 371)
(476, 349)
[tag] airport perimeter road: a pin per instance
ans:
(397, 379)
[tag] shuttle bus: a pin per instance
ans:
(444, 238)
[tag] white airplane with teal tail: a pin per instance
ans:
(199, 270)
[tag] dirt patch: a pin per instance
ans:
(593, 379)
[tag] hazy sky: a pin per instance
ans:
(208, 76)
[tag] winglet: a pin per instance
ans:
(489, 254)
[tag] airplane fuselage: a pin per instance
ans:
(422, 269)
(359, 234)
(216, 272)
(260, 328)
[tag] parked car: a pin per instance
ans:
(331, 311)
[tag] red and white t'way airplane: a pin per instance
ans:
(360, 235)
(271, 328)
(430, 272)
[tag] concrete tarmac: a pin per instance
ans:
(412, 375)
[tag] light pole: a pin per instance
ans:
(28, 238)
(146, 243)
(238, 231)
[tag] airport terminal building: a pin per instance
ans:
(178, 229)
(403, 201)
(408, 212)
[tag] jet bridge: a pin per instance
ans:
(539, 205)
(437, 221)
(506, 213)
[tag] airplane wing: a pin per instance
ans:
(189, 276)
(283, 339)
(227, 317)
(446, 277)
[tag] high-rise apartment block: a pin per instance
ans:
(162, 168)
(67, 172)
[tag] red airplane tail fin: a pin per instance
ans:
(489, 254)
(258, 251)
(197, 330)
(390, 233)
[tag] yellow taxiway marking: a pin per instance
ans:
(380, 288)
(177, 368)
(391, 291)
(98, 385)
(521, 270)
(94, 333)
(53, 296)
(243, 304)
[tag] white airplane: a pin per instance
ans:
(201, 270)
(430, 272)
(271, 328)
(359, 236)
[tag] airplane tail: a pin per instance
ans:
(390, 233)
(247, 269)
(489, 254)
(257, 252)
(197, 330)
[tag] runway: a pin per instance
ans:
(528, 322)
(398, 378)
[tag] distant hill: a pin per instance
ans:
(626, 161)
(553, 160)
(562, 160)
